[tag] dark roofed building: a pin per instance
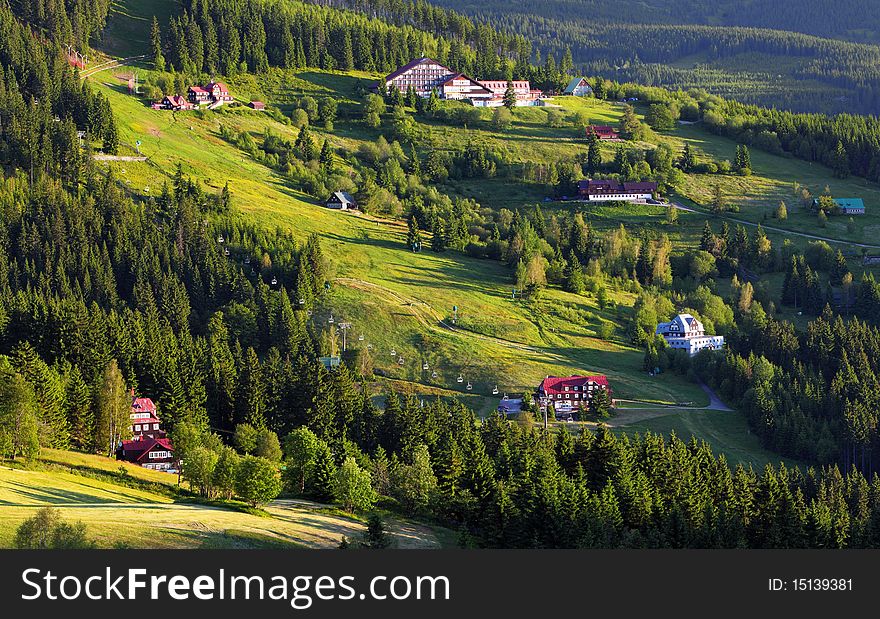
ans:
(341, 200)
(257, 105)
(612, 191)
(423, 74)
(150, 453)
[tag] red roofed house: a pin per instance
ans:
(144, 422)
(149, 446)
(603, 132)
(198, 95)
(614, 191)
(524, 93)
(212, 93)
(219, 91)
(460, 87)
(150, 453)
(568, 393)
(257, 105)
(173, 102)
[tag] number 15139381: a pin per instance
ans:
(810, 584)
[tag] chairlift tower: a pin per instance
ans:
(344, 327)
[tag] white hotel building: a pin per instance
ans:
(684, 332)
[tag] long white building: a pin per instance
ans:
(684, 332)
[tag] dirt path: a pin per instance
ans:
(406, 534)
(628, 416)
(109, 64)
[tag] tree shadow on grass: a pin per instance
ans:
(57, 496)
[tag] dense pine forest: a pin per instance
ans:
(100, 288)
(807, 16)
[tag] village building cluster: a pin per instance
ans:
(212, 95)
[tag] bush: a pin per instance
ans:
(606, 331)
(256, 481)
(299, 117)
(46, 530)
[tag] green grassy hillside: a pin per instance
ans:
(402, 301)
(395, 298)
(118, 511)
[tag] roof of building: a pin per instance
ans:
(574, 83)
(342, 196)
(142, 405)
(198, 89)
(850, 203)
(681, 323)
(211, 85)
(411, 65)
(557, 384)
(257, 104)
(457, 76)
(144, 446)
(617, 187)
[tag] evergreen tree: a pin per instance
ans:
(320, 485)
(156, 54)
(688, 159)
(509, 96)
(413, 235)
(594, 154)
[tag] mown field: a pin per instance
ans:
(726, 431)
(124, 514)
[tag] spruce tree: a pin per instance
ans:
(509, 96)
(156, 54)
(320, 484)
(413, 235)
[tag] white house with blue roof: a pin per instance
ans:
(684, 332)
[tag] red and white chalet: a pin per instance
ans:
(150, 453)
(173, 102)
(212, 93)
(144, 422)
(569, 392)
(149, 446)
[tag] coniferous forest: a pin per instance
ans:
(98, 286)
